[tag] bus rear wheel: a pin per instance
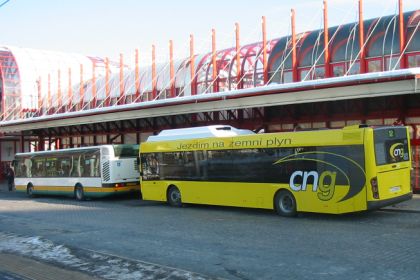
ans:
(30, 190)
(285, 204)
(174, 197)
(79, 194)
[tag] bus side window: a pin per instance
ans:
(74, 170)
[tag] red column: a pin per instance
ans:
(238, 58)
(403, 62)
(107, 90)
(362, 39)
(154, 80)
(294, 60)
(59, 90)
(82, 89)
(192, 66)
(264, 35)
(49, 94)
(326, 41)
(137, 74)
(121, 98)
(213, 60)
(93, 84)
(69, 93)
(171, 68)
(40, 98)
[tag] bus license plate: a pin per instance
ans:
(395, 189)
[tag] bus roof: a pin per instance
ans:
(61, 150)
(198, 132)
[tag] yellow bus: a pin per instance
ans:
(335, 171)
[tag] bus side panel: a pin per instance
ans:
(57, 186)
(309, 201)
(154, 190)
(253, 195)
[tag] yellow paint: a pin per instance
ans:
(261, 195)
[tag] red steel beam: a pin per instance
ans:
(238, 56)
(49, 93)
(403, 63)
(213, 59)
(121, 98)
(192, 66)
(264, 35)
(82, 90)
(362, 39)
(294, 60)
(40, 99)
(326, 41)
(137, 79)
(69, 93)
(93, 84)
(154, 78)
(58, 90)
(171, 68)
(107, 90)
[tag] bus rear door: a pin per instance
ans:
(393, 163)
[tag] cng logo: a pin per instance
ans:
(396, 151)
(326, 171)
(325, 182)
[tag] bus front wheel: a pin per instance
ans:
(79, 193)
(174, 197)
(285, 204)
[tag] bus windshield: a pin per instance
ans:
(391, 145)
(126, 151)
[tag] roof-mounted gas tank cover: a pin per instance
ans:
(198, 132)
(356, 126)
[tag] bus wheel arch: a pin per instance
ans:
(285, 203)
(79, 193)
(30, 190)
(173, 196)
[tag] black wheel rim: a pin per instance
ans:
(175, 196)
(286, 204)
(79, 193)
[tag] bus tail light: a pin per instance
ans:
(375, 190)
(119, 185)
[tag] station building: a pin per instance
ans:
(368, 73)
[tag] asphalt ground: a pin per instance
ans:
(34, 258)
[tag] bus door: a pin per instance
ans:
(393, 166)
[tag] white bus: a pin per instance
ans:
(96, 171)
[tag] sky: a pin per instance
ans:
(107, 28)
